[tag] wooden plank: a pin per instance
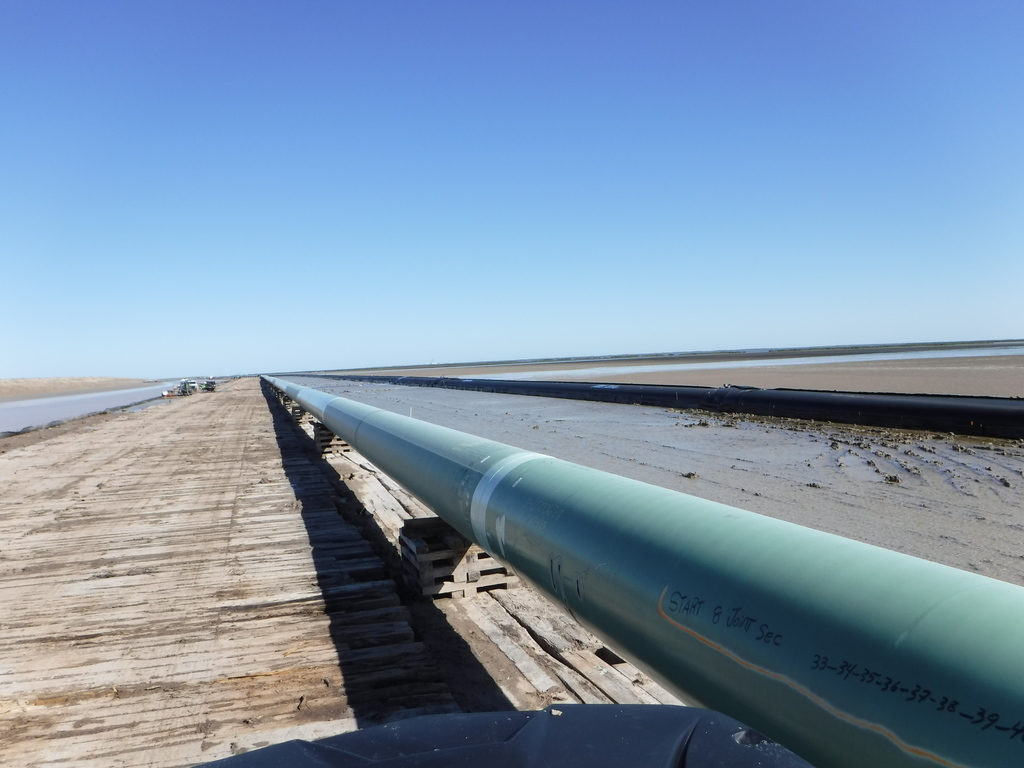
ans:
(174, 588)
(584, 690)
(607, 678)
(358, 464)
(467, 589)
(657, 693)
(375, 499)
(511, 642)
(552, 628)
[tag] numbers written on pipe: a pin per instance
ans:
(735, 618)
(739, 620)
(917, 695)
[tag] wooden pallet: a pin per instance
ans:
(295, 410)
(326, 441)
(438, 562)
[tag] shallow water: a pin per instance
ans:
(17, 415)
(866, 357)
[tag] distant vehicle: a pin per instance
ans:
(187, 387)
(208, 386)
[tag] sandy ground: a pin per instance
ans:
(954, 500)
(981, 376)
(998, 376)
(16, 388)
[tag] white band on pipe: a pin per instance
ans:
(486, 486)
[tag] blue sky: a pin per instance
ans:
(199, 187)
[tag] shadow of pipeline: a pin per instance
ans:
(396, 660)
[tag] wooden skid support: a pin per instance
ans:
(326, 441)
(437, 561)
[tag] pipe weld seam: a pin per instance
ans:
(482, 495)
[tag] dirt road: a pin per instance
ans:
(171, 584)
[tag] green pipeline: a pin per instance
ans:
(848, 654)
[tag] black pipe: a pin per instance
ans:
(964, 415)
